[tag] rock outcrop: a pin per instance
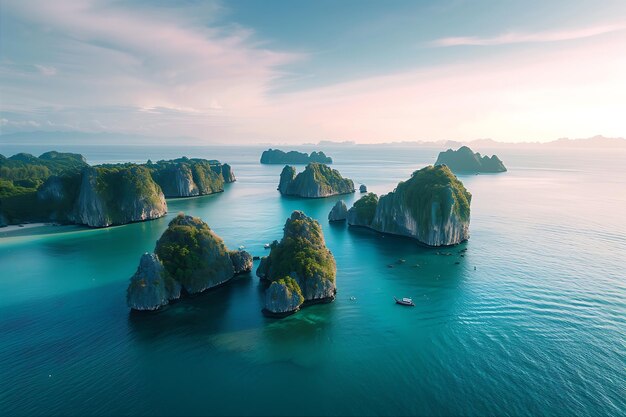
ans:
(317, 180)
(363, 188)
(184, 177)
(189, 258)
(194, 255)
(151, 287)
(363, 211)
(282, 298)
(276, 156)
(120, 195)
(228, 174)
(465, 160)
(339, 212)
(177, 181)
(432, 207)
(301, 255)
(287, 175)
(242, 261)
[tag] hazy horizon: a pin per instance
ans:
(280, 72)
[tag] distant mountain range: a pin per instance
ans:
(105, 138)
(88, 138)
(593, 142)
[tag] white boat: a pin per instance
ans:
(404, 301)
(266, 246)
(242, 247)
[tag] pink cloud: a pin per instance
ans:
(520, 37)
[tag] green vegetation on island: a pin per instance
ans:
(189, 258)
(465, 160)
(276, 156)
(302, 255)
(432, 206)
(193, 254)
(188, 177)
(317, 180)
(21, 175)
(62, 187)
(363, 210)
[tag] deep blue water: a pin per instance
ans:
(538, 328)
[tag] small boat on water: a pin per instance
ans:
(242, 247)
(404, 301)
(266, 246)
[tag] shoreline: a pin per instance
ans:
(15, 227)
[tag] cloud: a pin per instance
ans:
(161, 71)
(46, 70)
(521, 37)
(142, 56)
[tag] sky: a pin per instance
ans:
(247, 71)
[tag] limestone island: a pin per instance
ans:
(317, 180)
(63, 188)
(464, 160)
(189, 258)
(339, 212)
(276, 156)
(300, 270)
(432, 207)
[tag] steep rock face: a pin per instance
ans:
(120, 195)
(3, 220)
(194, 255)
(465, 160)
(184, 177)
(302, 255)
(177, 181)
(339, 212)
(287, 176)
(53, 189)
(59, 195)
(283, 297)
(363, 188)
(317, 180)
(432, 206)
(151, 287)
(242, 261)
(228, 174)
(363, 211)
(90, 206)
(263, 268)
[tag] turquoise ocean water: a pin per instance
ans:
(531, 321)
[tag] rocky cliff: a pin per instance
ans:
(317, 180)
(282, 298)
(151, 287)
(287, 175)
(117, 195)
(362, 211)
(465, 160)
(339, 212)
(189, 257)
(186, 177)
(242, 261)
(432, 207)
(228, 174)
(302, 255)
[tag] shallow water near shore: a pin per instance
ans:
(529, 320)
